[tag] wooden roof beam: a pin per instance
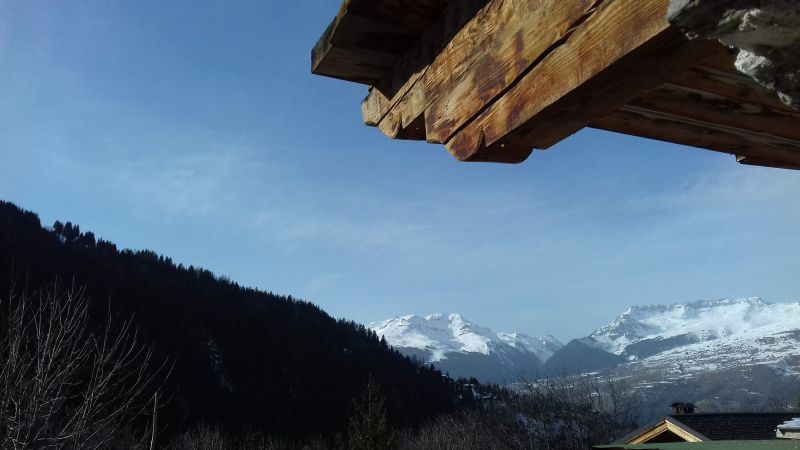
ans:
(494, 79)
(519, 58)
(463, 31)
(487, 54)
(750, 147)
(368, 37)
(714, 107)
(623, 49)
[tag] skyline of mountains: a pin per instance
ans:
(698, 337)
(460, 347)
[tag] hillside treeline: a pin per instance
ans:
(237, 359)
(109, 348)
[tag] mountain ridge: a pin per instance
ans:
(699, 321)
(239, 358)
(462, 348)
(680, 340)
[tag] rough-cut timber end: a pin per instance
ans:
(492, 80)
(465, 149)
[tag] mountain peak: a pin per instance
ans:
(448, 337)
(700, 320)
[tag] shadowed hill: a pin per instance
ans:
(243, 358)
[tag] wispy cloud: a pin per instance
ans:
(264, 173)
(467, 246)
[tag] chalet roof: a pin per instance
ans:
(492, 80)
(735, 426)
(705, 427)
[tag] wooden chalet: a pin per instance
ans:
(492, 80)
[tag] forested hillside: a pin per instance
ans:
(241, 358)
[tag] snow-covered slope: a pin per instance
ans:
(646, 331)
(463, 348)
(542, 346)
(733, 353)
(736, 350)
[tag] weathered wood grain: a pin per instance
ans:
(520, 29)
(525, 32)
(722, 110)
(462, 32)
(494, 79)
(625, 48)
(733, 86)
(662, 126)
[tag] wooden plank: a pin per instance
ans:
(464, 29)
(383, 35)
(351, 64)
(525, 32)
(737, 87)
(493, 79)
(520, 28)
(373, 108)
(358, 66)
(703, 134)
(721, 110)
(368, 37)
(625, 48)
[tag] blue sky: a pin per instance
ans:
(196, 129)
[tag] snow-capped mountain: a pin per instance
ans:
(543, 346)
(643, 331)
(703, 327)
(462, 348)
(743, 349)
(741, 353)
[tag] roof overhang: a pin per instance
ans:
(492, 80)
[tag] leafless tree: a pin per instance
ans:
(477, 429)
(65, 384)
(576, 412)
(785, 400)
(206, 437)
(562, 413)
